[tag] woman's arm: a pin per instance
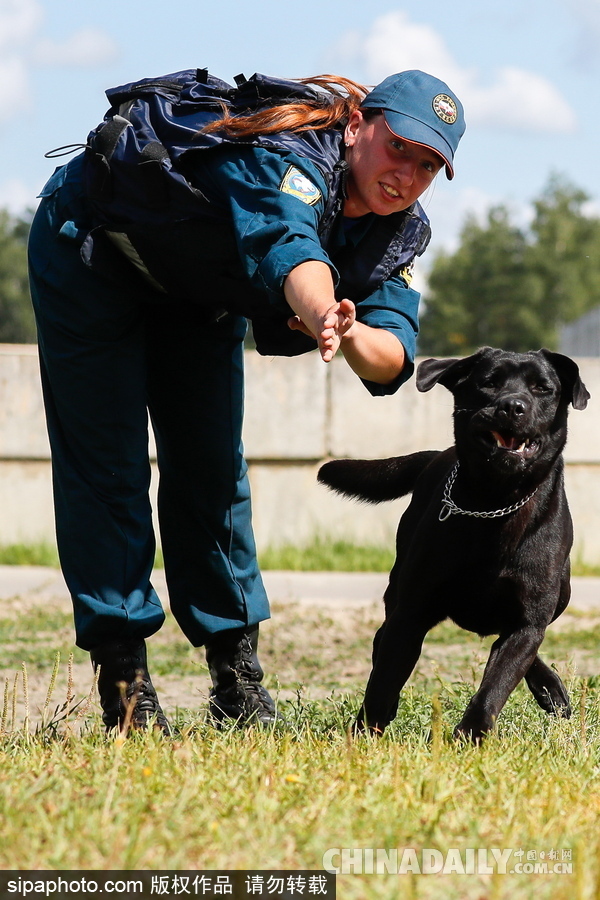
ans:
(373, 353)
(309, 291)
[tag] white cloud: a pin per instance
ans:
(587, 15)
(448, 208)
(16, 196)
(14, 90)
(591, 209)
(512, 99)
(519, 100)
(88, 47)
(22, 45)
(19, 19)
(395, 43)
(586, 11)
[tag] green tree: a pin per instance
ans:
(509, 288)
(16, 315)
(484, 294)
(565, 251)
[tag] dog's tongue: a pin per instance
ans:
(506, 441)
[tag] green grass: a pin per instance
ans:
(70, 798)
(582, 569)
(328, 556)
(36, 640)
(28, 555)
(320, 555)
(211, 800)
(323, 555)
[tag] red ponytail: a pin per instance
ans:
(338, 98)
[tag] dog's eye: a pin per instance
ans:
(541, 387)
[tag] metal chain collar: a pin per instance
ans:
(449, 507)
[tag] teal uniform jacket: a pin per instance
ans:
(262, 219)
(116, 344)
(270, 224)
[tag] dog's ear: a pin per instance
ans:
(445, 371)
(568, 372)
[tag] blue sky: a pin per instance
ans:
(527, 73)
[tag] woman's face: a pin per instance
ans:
(387, 173)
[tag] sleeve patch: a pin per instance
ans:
(407, 272)
(298, 185)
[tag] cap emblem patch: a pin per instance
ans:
(445, 108)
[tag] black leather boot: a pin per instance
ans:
(236, 675)
(124, 680)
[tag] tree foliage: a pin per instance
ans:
(17, 323)
(565, 251)
(511, 288)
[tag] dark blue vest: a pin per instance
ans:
(134, 178)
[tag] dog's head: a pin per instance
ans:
(510, 408)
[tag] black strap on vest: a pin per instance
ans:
(106, 140)
(151, 170)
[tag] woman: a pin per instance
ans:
(307, 221)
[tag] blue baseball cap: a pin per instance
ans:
(422, 109)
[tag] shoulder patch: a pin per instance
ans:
(407, 272)
(296, 183)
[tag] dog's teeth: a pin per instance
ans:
(521, 447)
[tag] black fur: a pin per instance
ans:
(375, 480)
(506, 575)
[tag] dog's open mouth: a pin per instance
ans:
(520, 446)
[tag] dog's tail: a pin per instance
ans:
(375, 480)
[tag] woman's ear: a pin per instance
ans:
(352, 127)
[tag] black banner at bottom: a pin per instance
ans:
(236, 884)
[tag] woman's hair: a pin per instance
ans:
(337, 98)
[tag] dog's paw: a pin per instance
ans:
(472, 729)
(469, 735)
(558, 706)
(360, 727)
(552, 697)
(561, 709)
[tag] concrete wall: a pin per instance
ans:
(298, 413)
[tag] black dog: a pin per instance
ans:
(486, 538)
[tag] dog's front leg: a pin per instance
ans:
(510, 658)
(397, 648)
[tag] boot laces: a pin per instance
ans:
(144, 695)
(258, 696)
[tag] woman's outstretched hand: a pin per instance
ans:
(373, 353)
(333, 325)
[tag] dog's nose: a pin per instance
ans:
(512, 407)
